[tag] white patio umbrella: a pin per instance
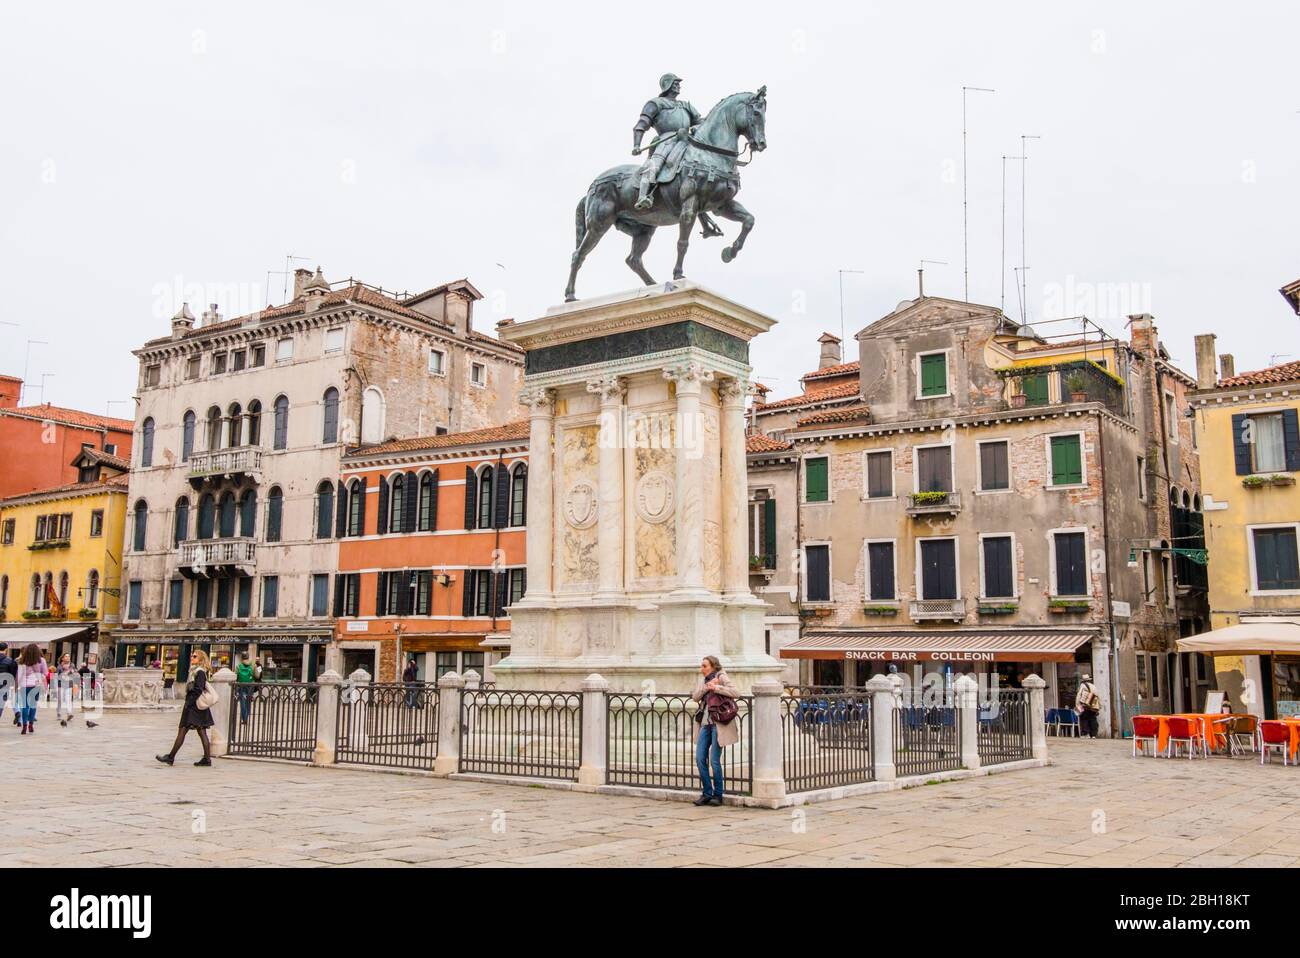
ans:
(1248, 638)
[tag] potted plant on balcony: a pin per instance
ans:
(1018, 400)
(85, 613)
(1063, 606)
(1077, 383)
(936, 497)
(880, 610)
(757, 563)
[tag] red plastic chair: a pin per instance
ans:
(1145, 729)
(1184, 731)
(1274, 735)
(1244, 733)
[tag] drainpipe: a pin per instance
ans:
(1113, 655)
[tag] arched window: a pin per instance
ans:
(248, 514)
(63, 589)
(372, 415)
(1196, 502)
(37, 592)
(187, 435)
(226, 516)
(139, 525)
(47, 589)
(330, 433)
(485, 499)
(518, 495)
(324, 509)
(274, 514)
(356, 502)
(92, 590)
(146, 442)
(396, 503)
(281, 422)
(207, 516)
(181, 525)
(428, 504)
(1187, 499)
(235, 431)
(214, 429)
(255, 423)
(4, 591)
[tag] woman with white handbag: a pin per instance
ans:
(200, 696)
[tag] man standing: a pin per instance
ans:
(672, 119)
(8, 679)
(1088, 704)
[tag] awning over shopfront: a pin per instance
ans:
(1259, 637)
(231, 637)
(42, 635)
(919, 645)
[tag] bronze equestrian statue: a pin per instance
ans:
(692, 171)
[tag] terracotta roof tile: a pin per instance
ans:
(99, 457)
(70, 417)
(510, 432)
(112, 483)
(861, 411)
(1285, 373)
(760, 443)
(830, 393)
(843, 369)
(485, 338)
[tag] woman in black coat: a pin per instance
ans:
(193, 717)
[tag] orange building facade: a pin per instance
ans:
(432, 553)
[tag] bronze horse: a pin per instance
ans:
(705, 181)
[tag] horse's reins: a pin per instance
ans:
(720, 150)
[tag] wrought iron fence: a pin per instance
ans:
(927, 732)
(388, 724)
(826, 740)
(274, 720)
(531, 734)
(1004, 734)
(798, 691)
(651, 742)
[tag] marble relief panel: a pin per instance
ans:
(712, 499)
(653, 437)
(578, 455)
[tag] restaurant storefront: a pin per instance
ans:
(286, 656)
(80, 642)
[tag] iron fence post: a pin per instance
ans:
(219, 737)
(327, 719)
(449, 689)
(1037, 716)
(883, 703)
(768, 747)
(595, 734)
(966, 695)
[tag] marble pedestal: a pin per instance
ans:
(637, 519)
(131, 688)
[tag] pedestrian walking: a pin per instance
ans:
(410, 675)
(64, 680)
(200, 696)
(1088, 704)
(245, 674)
(8, 680)
(32, 674)
(715, 727)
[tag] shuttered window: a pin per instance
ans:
(934, 469)
(1067, 461)
(1276, 563)
(270, 596)
(816, 484)
(880, 475)
(880, 571)
(1035, 389)
(320, 594)
(1071, 570)
(939, 569)
(244, 604)
(274, 515)
(995, 470)
(934, 374)
(818, 562)
(999, 579)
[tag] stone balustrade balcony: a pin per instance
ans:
(234, 463)
(213, 558)
(923, 610)
(930, 503)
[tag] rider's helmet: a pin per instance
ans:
(666, 81)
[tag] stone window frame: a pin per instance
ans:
(478, 364)
(340, 332)
(279, 349)
(866, 571)
(893, 477)
(979, 468)
(1170, 400)
(918, 571)
(803, 484)
(1015, 568)
(1083, 459)
(947, 372)
(442, 362)
(1254, 589)
(951, 445)
(1053, 593)
(830, 573)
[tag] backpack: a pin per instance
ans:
(244, 672)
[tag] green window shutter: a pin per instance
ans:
(1035, 389)
(1067, 462)
(769, 533)
(815, 479)
(934, 374)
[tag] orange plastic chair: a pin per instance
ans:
(1274, 735)
(1183, 731)
(1145, 729)
(1241, 739)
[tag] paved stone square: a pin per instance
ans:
(82, 796)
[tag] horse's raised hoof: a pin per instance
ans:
(728, 254)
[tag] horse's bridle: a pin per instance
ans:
(722, 150)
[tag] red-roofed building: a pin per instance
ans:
(39, 443)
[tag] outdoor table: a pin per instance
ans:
(1293, 726)
(1207, 728)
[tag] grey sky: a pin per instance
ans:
(195, 144)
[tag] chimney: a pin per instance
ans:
(1227, 367)
(11, 387)
(301, 277)
(182, 322)
(315, 289)
(1206, 374)
(211, 315)
(831, 355)
(1142, 332)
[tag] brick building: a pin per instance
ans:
(38, 444)
(431, 552)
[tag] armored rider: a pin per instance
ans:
(672, 119)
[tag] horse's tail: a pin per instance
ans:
(580, 220)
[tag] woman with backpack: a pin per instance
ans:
(200, 696)
(715, 726)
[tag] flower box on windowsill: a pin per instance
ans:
(999, 608)
(1254, 482)
(1065, 606)
(880, 610)
(88, 614)
(50, 544)
(816, 612)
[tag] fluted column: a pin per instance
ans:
(690, 378)
(735, 490)
(610, 495)
(541, 474)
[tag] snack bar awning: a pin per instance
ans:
(919, 645)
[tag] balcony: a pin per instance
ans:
(1059, 384)
(929, 610)
(235, 463)
(217, 558)
(934, 503)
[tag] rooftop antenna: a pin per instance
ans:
(27, 363)
(842, 272)
(964, 245)
(286, 272)
(920, 273)
(1024, 263)
(1272, 360)
(1003, 272)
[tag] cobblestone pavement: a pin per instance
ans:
(82, 796)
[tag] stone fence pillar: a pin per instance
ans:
(449, 688)
(595, 731)
(327, 718)
(966, 696)
(219, 737)
(1037, 716)
(883, 703)
(767, 760)
(472, 680)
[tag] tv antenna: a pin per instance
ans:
(920, 273)
(1024, 263)
(286, 273)
(965, 255)
(842, 272)
(1003, 272)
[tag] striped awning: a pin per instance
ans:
(920, 645)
